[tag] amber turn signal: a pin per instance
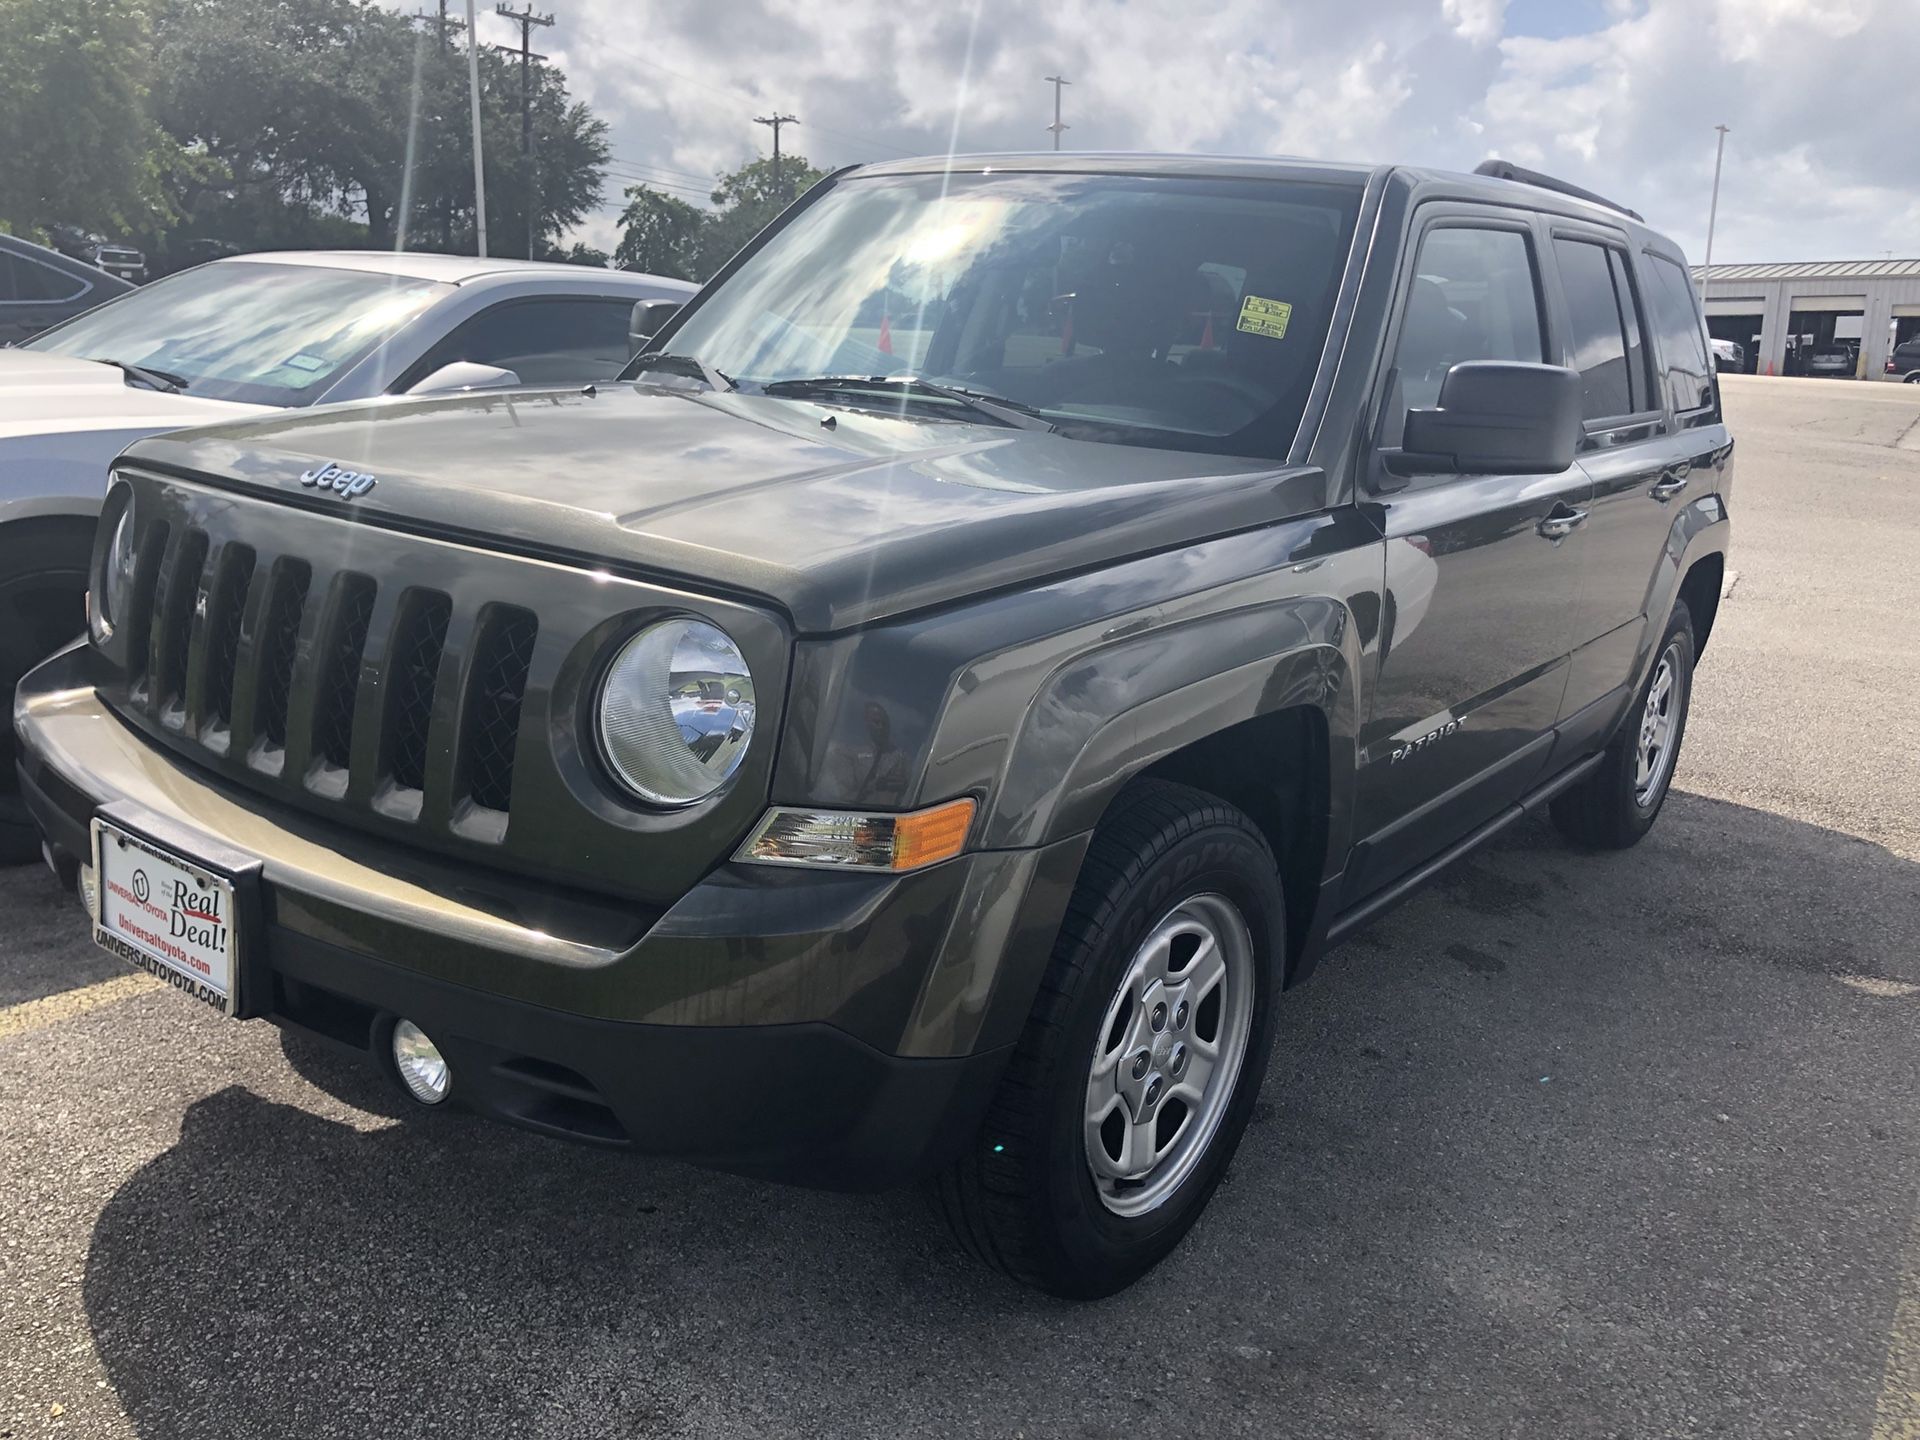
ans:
(847, 839)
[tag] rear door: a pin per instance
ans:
(1481, 570)
(1636, 337)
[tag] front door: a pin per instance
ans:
(1482, 571)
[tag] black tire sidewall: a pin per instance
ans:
(1219, 859)
(1679, 627)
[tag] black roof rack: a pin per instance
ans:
(1507, 170)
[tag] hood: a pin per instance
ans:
(42, 394)
(837, 524)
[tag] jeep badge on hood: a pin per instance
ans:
(330, 476)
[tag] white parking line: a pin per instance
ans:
(52, 1009)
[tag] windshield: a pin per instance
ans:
(1186, 314)
(261, 334)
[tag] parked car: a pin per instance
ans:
(249, 336)
(122, 260)
(1834, 360)
(1729, 355)
(802, 767)
(1904, 361)
(40, 288)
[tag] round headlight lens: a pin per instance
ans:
(676, 712)
(116, 581)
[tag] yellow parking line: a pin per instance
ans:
(52, 1009)
(1898, 1417)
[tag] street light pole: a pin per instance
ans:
(1713, 209)
(1058, 125)
(473, 92)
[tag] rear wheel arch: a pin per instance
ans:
(1699, 591)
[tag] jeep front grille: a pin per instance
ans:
(327, 660)
(331, 667)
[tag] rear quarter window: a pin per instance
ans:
(1683, 344)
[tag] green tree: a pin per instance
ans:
(342, 107)
(748, 199)
(76, 143)
(580, 253)
(660, 234)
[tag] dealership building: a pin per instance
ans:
(1780, 314)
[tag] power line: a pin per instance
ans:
(740, 92)
(776, 120)
(526, 20)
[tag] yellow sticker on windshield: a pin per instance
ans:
(1265, 317)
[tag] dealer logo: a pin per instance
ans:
(142, 887)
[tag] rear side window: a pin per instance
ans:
(1683, 349)
(42, 282)
(1473, 298)
(23, 280)
(1605, 329)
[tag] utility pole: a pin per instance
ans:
(776, 120)
(1713, 209)
(1058, 124)
(479, 172)
(526, 20)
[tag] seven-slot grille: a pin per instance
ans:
(330, 672)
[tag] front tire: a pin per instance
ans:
(1618, 803)
(1129, 1089)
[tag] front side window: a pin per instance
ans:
(1676, 319)
(561, 341)
(1182, 313)
(262, 334)
(1473, 297)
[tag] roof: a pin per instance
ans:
(1254, 167)
(451, 269)
(1812, 270)
(1126, 162)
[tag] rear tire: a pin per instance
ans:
(43, 584)
(1618, 803)
(1166, 970)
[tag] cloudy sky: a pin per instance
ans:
(1619, 95)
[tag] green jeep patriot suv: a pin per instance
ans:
(923, 717)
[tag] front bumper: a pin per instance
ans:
(840, 1030)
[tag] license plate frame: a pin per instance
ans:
(214, 870)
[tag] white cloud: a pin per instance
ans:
(1819, 94)
(1477, 20)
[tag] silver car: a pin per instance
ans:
(243, 337)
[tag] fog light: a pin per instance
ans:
(423, 1069)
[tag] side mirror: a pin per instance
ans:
(1495, 417)
(649, 319)
(464, 375)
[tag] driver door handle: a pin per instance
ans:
(1559, 522)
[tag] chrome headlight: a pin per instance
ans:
(116, 579)
(676, 712)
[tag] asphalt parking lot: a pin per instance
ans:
(1568, 1146)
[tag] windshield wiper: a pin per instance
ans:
(164, 380)
(684, 364)
(996, 407)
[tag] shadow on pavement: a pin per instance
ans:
(1571, 1145)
